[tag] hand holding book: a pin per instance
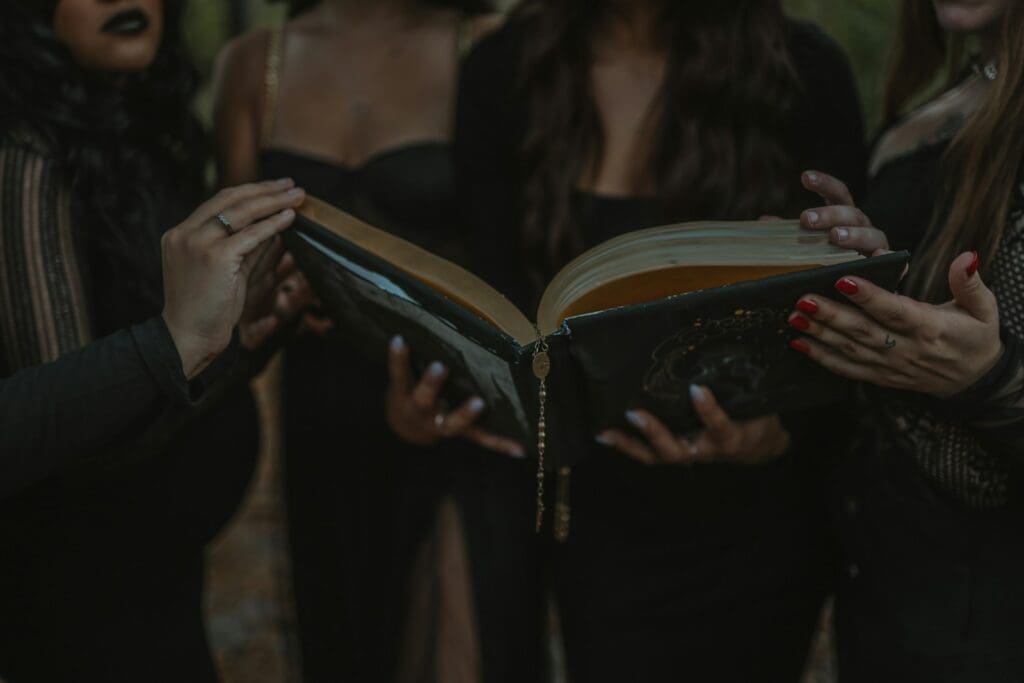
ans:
(418, 415)
(885, 338)
(723, 440)
(894, 341)
(847, 225)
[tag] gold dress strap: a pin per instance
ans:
(271, 84)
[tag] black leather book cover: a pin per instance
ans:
(371, 301)
(733, 339)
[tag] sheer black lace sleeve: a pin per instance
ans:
(970, 445)
(63, 395)
(996, 403)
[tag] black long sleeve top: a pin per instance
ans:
(66, 397)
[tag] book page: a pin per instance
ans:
(652, 264)
(445, 277)
(379, 307)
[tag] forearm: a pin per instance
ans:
(85, 402)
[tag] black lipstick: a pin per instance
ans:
(127, 23)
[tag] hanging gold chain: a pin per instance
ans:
(541, 368)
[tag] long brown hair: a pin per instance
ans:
(716, 132)
(981, 166)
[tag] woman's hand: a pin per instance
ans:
(723, 440)
(278, 294)
(847, 225)
(207, 265)
(894, 341)
(417, 415)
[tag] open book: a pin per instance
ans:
(629, 324)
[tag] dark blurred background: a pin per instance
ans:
(862, 27)
(248, 601)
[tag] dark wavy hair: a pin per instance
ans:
(466, 6)
(981, 167)
(715, 137)
(120, 139)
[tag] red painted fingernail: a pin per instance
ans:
(807, 306)
(847, 286)
(799, 322)
(972, 267)
(798, 345)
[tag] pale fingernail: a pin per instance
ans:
(842, 234)
(812, 217)
(604, 440)
(436, 369)
(296, 192)
(696, 394)
(517, 452)
(397, 343)
(812, 177)
(636, 419)
(287, 214)
(476, 404)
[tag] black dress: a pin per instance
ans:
(358, 499)
(101, 556)
(929, 505)
(709, 573)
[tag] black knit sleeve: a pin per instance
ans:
(83, 403)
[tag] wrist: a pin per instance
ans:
(194, 352)
(991, 361)
(780, 444)
(987, 364)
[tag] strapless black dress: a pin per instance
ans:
(358, 499)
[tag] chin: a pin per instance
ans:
(966, 16)
(127, 56)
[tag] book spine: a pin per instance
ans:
(566, 423)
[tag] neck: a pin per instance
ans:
(632, 23)
(362, 11)
(989, 39)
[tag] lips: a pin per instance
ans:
(127, 23)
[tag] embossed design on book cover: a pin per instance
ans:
(731, 354)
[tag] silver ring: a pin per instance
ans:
(889, 342)
(439, 421)
(225, 222)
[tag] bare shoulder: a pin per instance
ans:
(480, 26)
(241, 64)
